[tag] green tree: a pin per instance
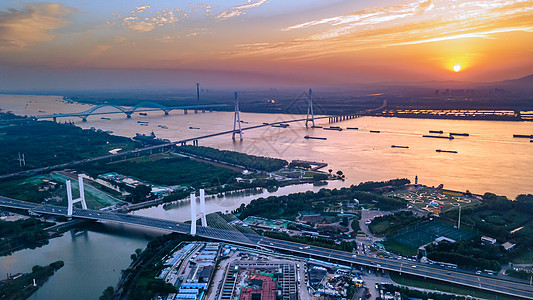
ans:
(107, 294)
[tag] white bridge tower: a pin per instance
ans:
(310, 113)
(72, 201)
(237, 119)
(194, 215)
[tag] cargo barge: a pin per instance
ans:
(524, 136)
(333, 128)
(446, 151)
(439, 137)
(459, 134)
(436, 131)
(314, 138)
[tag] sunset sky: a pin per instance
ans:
(106, 43)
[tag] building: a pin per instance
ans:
(488, 240)
(508, 246)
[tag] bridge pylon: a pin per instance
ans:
(71, 201)
(194, 215)
(237, 119)
(310, 112)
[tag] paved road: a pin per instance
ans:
(402, 266)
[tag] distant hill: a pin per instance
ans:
(519, 83)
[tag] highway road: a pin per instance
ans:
(459, 277)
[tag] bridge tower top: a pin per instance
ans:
(237, 119)
(71, 201)
(194, 215)
(310, 109)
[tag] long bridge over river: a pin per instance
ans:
(128, 111)
(492, 284)
(237, 129)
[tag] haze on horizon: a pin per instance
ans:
(110, 44)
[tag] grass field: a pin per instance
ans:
(424, 233)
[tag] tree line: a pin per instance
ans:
(248, 161)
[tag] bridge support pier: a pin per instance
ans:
(71, 201)
(128, 116)
(202, 208)
(84, 119)
(166, 112)
(185, 112)
(55, 119)
(193, 214)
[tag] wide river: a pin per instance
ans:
(488, 160)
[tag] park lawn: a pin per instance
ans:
(168, 170)
(525, 257)
(435, 285)
(379, 228)
(398, 248)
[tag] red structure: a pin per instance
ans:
(266, 290)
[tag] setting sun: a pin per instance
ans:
(457, 68)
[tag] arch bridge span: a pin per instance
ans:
(128, 110)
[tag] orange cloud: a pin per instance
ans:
(418, 22)
(32, 24)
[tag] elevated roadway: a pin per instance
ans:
(493, 284)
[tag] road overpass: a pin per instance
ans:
(493, 284)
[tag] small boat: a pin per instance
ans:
(439, 136)
(244, 122)
(143, 122)
(316, 126)
(353, 128)
(459, 134)
(396, 146)
(162, 126)
(104, 118)
(282, 125)
(143, 114)
(375, 131)
(446, 151)
(314, 137)
(436, 131)
(190, 127)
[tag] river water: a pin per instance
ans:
(488, 160)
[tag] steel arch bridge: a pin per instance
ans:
(128, 111)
